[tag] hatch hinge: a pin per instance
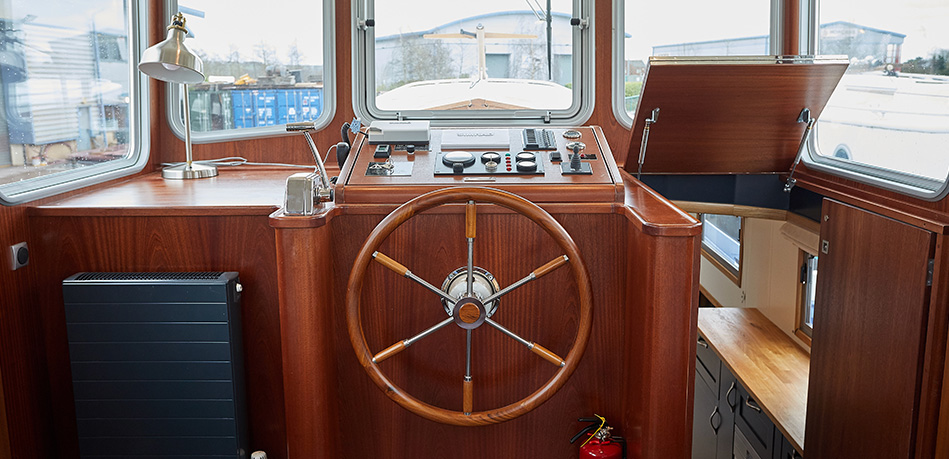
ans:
(547, 117)
(804, 117)
(399, 117)
(929, 272)
(654, 116)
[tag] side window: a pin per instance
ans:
(469, 61)
(647, 29)
(721, 243)
(808, 293)
(72, 106)
(887, 123)
(257, 82)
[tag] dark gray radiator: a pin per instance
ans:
(157, 364)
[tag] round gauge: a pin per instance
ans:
(526, 156)
(571, 145)
(571, 134)
(463, 158)
(526, 166)
(490, 156)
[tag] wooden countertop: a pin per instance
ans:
(772, 367)
(237, 190)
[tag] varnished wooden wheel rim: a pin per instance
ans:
(453, 195)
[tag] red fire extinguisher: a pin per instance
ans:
(599, 443)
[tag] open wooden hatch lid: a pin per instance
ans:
(728, 115)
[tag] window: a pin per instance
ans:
(721, 243)
(647, 29)
(72, 104)
(887, 123)
(808, 293)
(264, 68)
(469, 61)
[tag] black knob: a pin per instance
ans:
(372, 23)
(410, 149)
(526, 166)
(22, 255)
(573, 21)
(458, 168)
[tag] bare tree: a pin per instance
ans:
(266, 53)
(419, 59)
(295, 57)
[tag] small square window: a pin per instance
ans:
(721, 243)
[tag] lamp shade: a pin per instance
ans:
(172, 61)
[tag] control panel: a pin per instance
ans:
(496, 157)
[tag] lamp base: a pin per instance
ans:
(186, 172)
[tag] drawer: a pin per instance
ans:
(754, 423)
(707, 365)
(743, 448)
(787, 451)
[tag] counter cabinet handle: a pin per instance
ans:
(751, 404)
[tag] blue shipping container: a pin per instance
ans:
(256, 108)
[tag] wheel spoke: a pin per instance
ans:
(467, 389)
(534, 347)
(470, 226)
(535, 274)
(401, 345)
(403, 271)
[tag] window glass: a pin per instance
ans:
(809, 290)
(472, 58)
(891, 109)
(263, 66)
(67, 93)
(689, 28)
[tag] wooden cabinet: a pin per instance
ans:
(869, 335)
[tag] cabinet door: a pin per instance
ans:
(706, 420)
(869, 331)
(727, 405)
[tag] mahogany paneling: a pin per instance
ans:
(653, 214)
(869, 336)
(772, 367)
(26, 408)
(719, 118)
(662, 278)
(66, 245)
(933, 216)
(934, 397)
(307, 320)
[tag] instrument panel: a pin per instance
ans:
(541, 164)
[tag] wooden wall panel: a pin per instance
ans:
(66, 245)
(664, 326)
(869, 336)
(22, 360)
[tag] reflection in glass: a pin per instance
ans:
(65, 86)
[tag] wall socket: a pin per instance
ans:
(19, 256)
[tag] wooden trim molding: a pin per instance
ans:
(4, 433)
(709, 296)
(732, 209)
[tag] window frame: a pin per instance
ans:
(619, 54)
(173, 91)
(363, 52)
(803, 331)
(717, 260)
(880, 177)
(139, 136)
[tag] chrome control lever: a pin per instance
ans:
(323, 191)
